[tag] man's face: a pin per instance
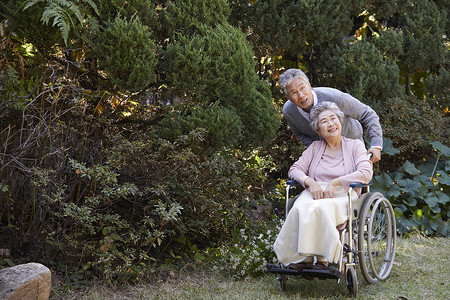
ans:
(300, 93)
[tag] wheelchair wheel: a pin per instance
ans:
(376, 237)
(351, 281)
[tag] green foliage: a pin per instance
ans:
(144, 9)
(27, 26)
(105, 240)
(438, 88)
(209, 187)
(360, 69)
(423, 25)
(18, 92)
(412, 124)
(222, 126)
(419, 194)
(127, 53)
(390, 42)
(187, 16)
(218, 65)
(214, 65)
(105, 195)
(62, 12)
(249, 250)
(294, 27)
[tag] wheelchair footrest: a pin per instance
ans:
(332, 273)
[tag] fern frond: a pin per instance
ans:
(61, 11)
(60, 17)
(30, 3)
(93, 5)
(72, 8)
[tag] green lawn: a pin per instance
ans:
(421, 271)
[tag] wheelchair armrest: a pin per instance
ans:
(292, 183)
(357, 185)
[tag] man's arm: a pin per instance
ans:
(357, 110)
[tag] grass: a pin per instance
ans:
(421, 271)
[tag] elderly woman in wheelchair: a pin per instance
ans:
(311, 237)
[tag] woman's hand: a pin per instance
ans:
(314, 188)
(329, 191)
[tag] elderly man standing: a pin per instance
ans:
(301, 98)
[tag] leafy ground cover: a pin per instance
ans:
(421, 271)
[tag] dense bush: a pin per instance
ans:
(127, 53)
(249, 250)
(217, 65)
(420, 193)
(110, 205)
(361, 70)
(188, 16)
(412, 124)
(222, 126)
(143, 9)
(293, 28)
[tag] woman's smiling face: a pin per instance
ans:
(329, 125)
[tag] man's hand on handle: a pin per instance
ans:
(376, 154)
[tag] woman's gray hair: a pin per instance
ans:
(288, 76)
(321, 107)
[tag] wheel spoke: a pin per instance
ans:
(376, 238)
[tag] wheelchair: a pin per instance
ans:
(369, 240)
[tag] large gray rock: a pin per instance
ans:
(30, 281)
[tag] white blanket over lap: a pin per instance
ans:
(310, 228)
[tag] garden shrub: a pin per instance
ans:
(420, 193)
(218, 65)
(223, 127)
(127, 53)
(390, 42)
(249, 250)
(361, 70)
(144, 9)
(438, 89)
(294, 28)
(187, 16)
(411, 124)
(423, 25)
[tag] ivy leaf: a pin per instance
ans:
(394, 191)
(410, 201)
(443, 229)
(410, 168)
(388, 148)
(396, 176)
(409, 186)
(406, 225)
(382, 183)
(433, 204)
(444, 150)
(442, 197)
(425, 181)
(444, 179)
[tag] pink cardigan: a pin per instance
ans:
(357, 166)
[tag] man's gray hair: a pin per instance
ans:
(321, 107)
(288, 76)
